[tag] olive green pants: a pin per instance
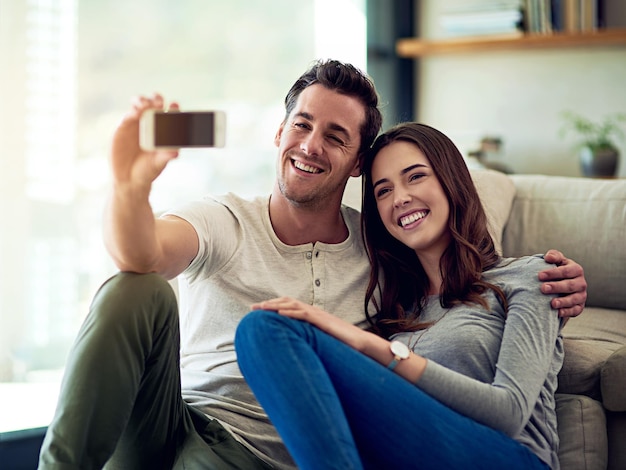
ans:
(120, 404)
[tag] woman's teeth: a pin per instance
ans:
(409, 219)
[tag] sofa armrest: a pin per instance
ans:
(613, 381)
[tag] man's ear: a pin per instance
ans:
(279, 134)
(356, 171)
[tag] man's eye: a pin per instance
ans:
(336, 140)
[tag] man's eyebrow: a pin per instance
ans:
(333, 126)
(305, 115)
(403, 172)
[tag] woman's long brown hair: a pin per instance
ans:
(396, 271)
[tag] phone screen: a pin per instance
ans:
(181, 129)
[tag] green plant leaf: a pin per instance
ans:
(592, 134)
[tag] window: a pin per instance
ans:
(68, 71)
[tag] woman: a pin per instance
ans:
(468, 378)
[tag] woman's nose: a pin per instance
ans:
(401, 198)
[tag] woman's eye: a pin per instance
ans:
(381, 192)
(416, 176)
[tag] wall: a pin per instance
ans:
(519, 95)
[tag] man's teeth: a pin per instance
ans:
(409, 219)
(307, 168)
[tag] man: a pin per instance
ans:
(121, 398)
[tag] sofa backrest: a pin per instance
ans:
(582, 217)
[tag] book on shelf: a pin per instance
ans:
(516, 17)
(486, 18)
(538, 16)
(571, 16)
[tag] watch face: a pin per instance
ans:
(400, 349)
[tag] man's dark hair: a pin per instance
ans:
(345, 79)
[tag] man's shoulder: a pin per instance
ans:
(220, 211)
(352, 217)
(236, 200)
(241, 206)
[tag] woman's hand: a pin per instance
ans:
(342, 330)
(367, 343)
(292, 308)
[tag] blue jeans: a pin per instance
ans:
(337, 408)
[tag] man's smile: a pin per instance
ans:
(306, 168)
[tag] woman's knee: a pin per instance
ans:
(264, 328)
(257, 326)
(255, 321)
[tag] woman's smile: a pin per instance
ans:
(409, 220)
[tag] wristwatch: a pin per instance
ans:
(400, 351)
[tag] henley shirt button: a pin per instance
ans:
(309, 255)
(317, 282)
(317, 253)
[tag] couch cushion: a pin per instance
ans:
(584, 218)
(613, 380)
(582, 433)
(496, 191)
(582, 364)
(589, 340)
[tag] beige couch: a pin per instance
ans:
(586, 220)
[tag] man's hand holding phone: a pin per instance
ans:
(149, 137)
(177, 129)
(130, 163)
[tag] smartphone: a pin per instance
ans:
(178, 129)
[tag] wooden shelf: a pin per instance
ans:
(415, 47)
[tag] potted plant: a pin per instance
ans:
(598, 152)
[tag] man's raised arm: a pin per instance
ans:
(136, 240)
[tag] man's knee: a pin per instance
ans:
(126, 294)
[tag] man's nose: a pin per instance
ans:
(312, 144)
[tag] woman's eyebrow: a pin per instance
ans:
(380, 181)
(412, 167)
(403, 172)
